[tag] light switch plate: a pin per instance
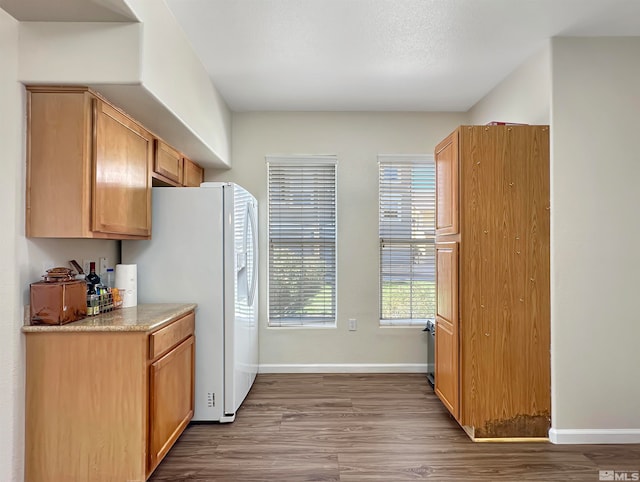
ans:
(102, 266)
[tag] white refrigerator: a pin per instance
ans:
(204, 250)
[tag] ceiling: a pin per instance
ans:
(405, 55)
(362, 55)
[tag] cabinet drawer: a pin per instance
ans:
(169, 336)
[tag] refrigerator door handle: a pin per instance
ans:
(254, 246)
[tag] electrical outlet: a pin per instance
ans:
(102, 266)
(353, 324)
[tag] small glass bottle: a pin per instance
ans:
(110, 278)
(95, 303)
(93, 300)
(90, 291)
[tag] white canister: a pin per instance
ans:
(127, 282)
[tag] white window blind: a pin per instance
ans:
(407, 239)
(302, 241)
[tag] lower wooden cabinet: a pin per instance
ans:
(171, 399)
(447, 369)
(106, 405)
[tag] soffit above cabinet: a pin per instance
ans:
(146, 68)
(69, 10)
(144, 106)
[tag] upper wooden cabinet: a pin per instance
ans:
(193, 174)
(167, 164)
(88, 167)
(446, 157)
(493, 309)
(171, 168)
(122, 153)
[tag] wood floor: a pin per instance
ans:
(382, 427)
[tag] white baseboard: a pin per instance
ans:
(594, 436)
(344, 368)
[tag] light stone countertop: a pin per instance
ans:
(147, 317)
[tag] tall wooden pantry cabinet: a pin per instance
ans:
(492, 256)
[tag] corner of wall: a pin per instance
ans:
(11, 199)
(524, 96)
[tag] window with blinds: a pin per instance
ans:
(407, 192)
(302, 241)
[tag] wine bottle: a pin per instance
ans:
(92, 277)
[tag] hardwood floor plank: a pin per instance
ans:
(611, 456)
(249, 466)
(462, 467)
(299, 404)
(252, 422)
(366, 427)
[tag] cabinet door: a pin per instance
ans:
(446, 157)
(447, 354)
(193, 173)
(122, 155)
(170, 398)
(58, 163)
(167, 162)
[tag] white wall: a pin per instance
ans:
(11, 180)
(595, 235)
(80, 52)
(357, 139)
(58, 252)
(523, 96)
